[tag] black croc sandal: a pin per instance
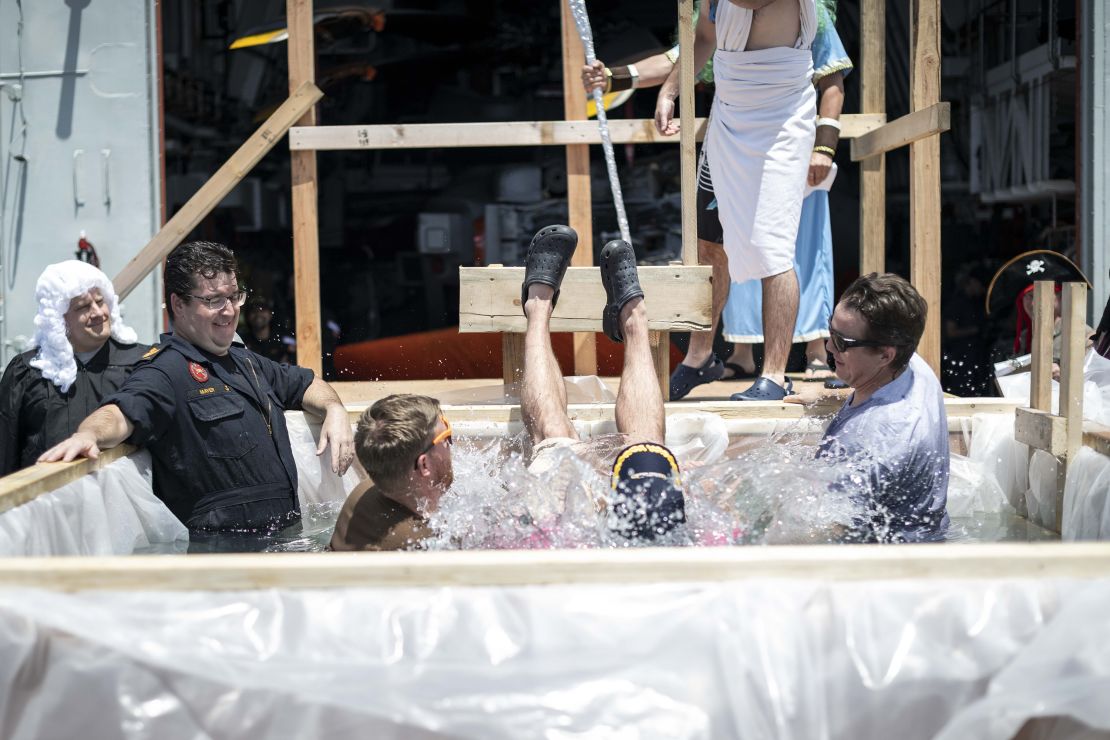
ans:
(547, 260)
(685, 378)
(622, 284)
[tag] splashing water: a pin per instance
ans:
(766, 491)
(582, 20)
(776, 493)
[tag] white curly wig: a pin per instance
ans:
(57, 286)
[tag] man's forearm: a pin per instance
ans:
(107, 425)
(832, 96)
(653, 70)
(319, 397)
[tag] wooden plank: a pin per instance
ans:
(579, 205)
(30, 483)
(687, 157)
(661, 358)
(306, 229)
(925, 244)
(512, 358)
(512, 133)
(219, 185)
(808, 563)
(935, 119)
(677, 298)
(26, 485)
(1071, 367)
(1041, 430)
(359, 396)
(1097, 437)
(1040, 381)
(872, 204)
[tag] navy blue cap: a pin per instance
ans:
(648, 498)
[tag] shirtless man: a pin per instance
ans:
(761, 131)
(814, 258)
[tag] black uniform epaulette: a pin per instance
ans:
(150, 353)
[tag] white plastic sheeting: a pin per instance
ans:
(1003, 458)
(1096, 388)
(111, 511)
(1087, 497)
(973, 490)
(316, 483)
(753, 659)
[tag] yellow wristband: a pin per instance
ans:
(825, 150)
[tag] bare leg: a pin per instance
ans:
(543, 397)
(701, 342)
(639, 400)
(743, 356)
(780, 312)
(816, 353)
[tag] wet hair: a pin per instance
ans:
(190, 260)
(895, 312)
(392, 433)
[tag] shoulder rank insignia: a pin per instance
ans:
(151, 352)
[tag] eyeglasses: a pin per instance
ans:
(219, 303)
(842, 343)
(444, 436)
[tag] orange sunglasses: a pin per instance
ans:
(445, 435)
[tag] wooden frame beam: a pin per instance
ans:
(677, 297)
(1040, 382)
(30, 483)
(872, 201)
(935, 119)
(579, 205)
(1062, 434)
(925, 255)
(306, 224)
(1041, 430)
(512, 133)
(472, 568)
(216, 188)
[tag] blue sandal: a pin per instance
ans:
(547, 259)
(764, 389)
(685, 378)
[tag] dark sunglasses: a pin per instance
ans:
(444, 436)
(842, 343)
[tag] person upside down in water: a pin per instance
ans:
(404, 441)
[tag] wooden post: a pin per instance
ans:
(872, 202)
(579, 208)
(1040, 369)
(306, 236)
(1074, 311)
(688, 159)
(660, 342)
(512, 358)
(213, 191)
(925, 174)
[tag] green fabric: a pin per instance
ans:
(826, 13)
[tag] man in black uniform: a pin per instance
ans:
(210, 412)
(82, 353)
